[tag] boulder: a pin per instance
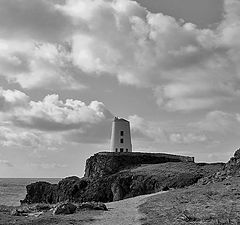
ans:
(64, 208)
(40, 192)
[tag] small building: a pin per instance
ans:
(121, 136)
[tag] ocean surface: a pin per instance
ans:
(12, 190)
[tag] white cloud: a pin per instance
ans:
(54, 114)
(188, 68)
(36, 65)
(10, 99)
(51, 120)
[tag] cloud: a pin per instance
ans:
(5, 163)
(188, 138)
(36, 65)
(186, 67)
(156, 51)
(54, 114)
(219, 122)
(163, 133)
(10, 99)
(48, 166)
(146, 130)
(12, 136)
(50, 120)
(38, 20)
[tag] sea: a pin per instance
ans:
(12, 190)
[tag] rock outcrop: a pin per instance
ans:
(64, 208)
(231, 169)
(112, 177)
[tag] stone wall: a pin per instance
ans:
(107, 163)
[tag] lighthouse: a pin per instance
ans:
(121, 136)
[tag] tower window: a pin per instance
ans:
(116, 150)
(126, 149)
(121, 140)
(121, 149)
(121, 132)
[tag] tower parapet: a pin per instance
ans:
(121, 136)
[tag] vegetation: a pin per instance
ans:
(211, 204)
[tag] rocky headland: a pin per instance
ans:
(115, 176)
(199, 193)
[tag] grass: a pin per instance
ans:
(213, 204)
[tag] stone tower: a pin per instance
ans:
(121, 136)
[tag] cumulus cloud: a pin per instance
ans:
(72, 119)
(186, 67)
(156, 51)
(36, 64)
(54, 114)
(10, 99)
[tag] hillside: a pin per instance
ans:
(215, 199)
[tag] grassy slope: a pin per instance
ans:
(217, 203)
(172, 168)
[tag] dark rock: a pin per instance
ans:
(40, 192)
(68, 189)
(64, 208)
(166, 188)
(237, 154)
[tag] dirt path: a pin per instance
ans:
(124, 212)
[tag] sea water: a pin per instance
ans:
(12, 190)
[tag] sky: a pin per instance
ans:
(67, 67)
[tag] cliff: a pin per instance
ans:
(110, 177)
